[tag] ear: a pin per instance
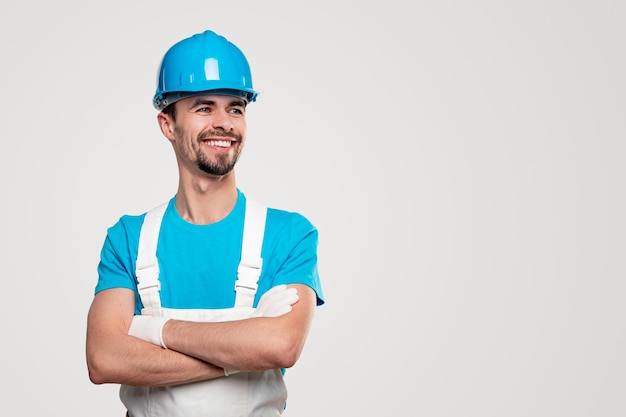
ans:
(166, 125)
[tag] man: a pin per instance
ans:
(202, 302)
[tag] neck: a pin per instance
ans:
(206, 200)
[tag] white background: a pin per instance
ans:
(463, 161)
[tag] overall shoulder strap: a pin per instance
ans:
(147, 265)
(251, 263)
(248, 272)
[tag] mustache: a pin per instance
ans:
(218, 134)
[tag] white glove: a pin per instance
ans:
(276, 302)
(148, 328)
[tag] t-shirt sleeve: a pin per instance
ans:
(300, 265)
(116, 266)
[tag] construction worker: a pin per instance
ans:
(204, 301)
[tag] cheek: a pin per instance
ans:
(184, 142)
(242, 130)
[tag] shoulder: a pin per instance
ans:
(279, 219)
(127, 224)
(289, 219)
(131, 223)
(124, 234)
(289, 228)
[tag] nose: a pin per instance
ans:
(223, 121)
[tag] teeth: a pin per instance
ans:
(220, 143)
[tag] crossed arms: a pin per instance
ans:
(195, 351)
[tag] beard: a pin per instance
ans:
(221, 165)
(217, 165)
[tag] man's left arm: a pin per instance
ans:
(253, 344)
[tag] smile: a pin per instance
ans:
(218, 143)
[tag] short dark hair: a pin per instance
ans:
(170, 111)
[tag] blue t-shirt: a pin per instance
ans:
(198, 263)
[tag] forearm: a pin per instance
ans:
(252, 344)
(244, 344)
(136, 362)
(113, 356)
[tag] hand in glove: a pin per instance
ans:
(276, 301)
(148, 328)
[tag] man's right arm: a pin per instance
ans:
(113, 356)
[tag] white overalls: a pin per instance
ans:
(243, 394)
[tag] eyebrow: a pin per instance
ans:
(207, 102)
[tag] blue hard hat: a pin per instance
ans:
(204, 63)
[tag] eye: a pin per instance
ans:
(203, 109)
(237, 110)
